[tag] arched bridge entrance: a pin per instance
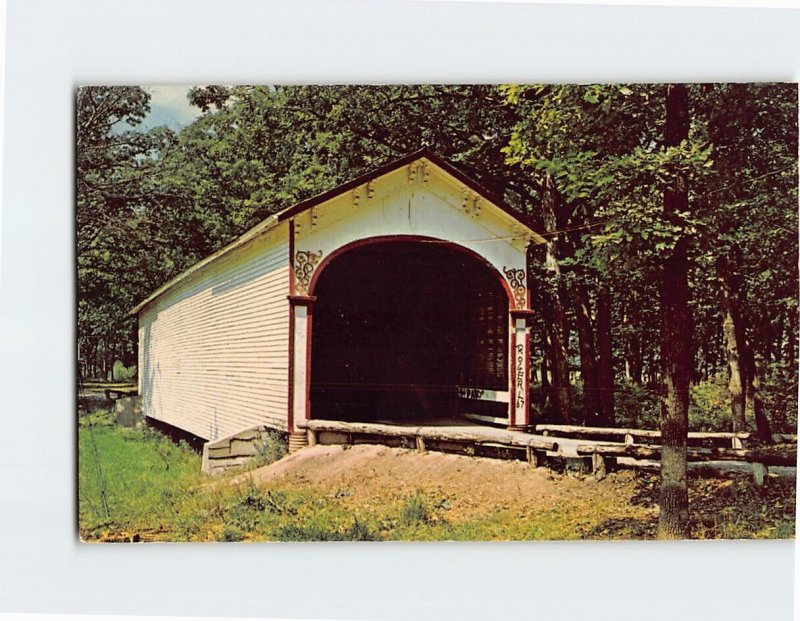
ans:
(408, 331)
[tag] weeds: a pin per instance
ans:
(231, 533)
(322, 528)
(274, 446)
(415, 510)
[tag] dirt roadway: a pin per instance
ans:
(368, 474)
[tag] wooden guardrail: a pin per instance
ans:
(761, 458)
(770, 457)
(580, 445)
(631, 435)
(489, 435)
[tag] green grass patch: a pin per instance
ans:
(140, 474)
(154, 490)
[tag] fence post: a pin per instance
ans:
(598, 466)
(760, 472)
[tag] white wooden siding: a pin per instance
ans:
(214, 349)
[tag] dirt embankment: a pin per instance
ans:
(367, 474)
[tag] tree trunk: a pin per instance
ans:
(81, 358)
(637, 362)
(634, 358)
(545, 368)
(734, 338)
(586, 345)
(561, 383)
(676, 332)
(779, 338)
(605, 357)
(753, 374)
(557, 328)
(106, 354)
(95, 356)
(706, 360)
(763, 427)
(649, 373)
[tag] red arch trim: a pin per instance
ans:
(382, 239)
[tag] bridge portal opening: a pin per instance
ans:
(403, 331)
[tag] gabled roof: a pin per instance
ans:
(399, 163)
(290, 212)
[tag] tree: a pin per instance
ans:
(748, 204)
(605, 357)
(122, 241)
(676, 336)
(554, 301)
(574, 141)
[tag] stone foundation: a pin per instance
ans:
(233, 451)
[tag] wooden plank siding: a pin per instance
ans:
(214, 349)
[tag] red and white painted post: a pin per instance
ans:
(519, 416)
(300, 368)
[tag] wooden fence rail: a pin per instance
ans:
(735, 440)
(580, 445)
(768, 457)
(473, 434)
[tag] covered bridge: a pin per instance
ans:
(401, 296)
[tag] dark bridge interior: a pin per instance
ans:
(398, 326)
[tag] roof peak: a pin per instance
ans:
(423, 152)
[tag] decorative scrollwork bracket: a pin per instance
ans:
(516, 278)
(304, 264)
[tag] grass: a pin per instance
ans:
(143, 475)
(155, 491)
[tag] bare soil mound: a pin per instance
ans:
(368, 473)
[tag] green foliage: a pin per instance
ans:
(780, 396)
(710, 406)
(124, 241)
(602, 147)
(248, 506)
(122, 373)
(636, 407)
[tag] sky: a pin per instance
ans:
(169, 106)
